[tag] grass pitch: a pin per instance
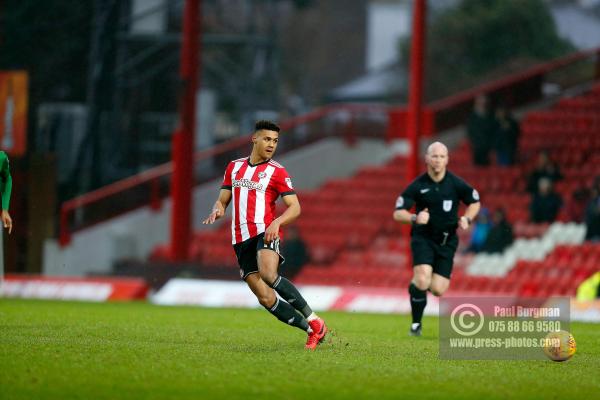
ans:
(69, 350)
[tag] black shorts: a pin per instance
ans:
(432, 252)
(247, 253)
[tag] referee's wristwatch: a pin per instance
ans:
(467, 218)
(413, 219)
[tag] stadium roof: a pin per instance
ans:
(384, 83)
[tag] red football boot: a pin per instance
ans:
(319, 330)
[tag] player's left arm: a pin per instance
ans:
(219, 207)
(469, 215)
(282, 184)
(470, 197)
(289, 215)
(6, 189)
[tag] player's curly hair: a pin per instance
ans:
(266, 125)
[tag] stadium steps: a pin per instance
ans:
(558, 274)
(527, 249)
(353, 241)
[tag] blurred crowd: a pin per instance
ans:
(496, 133)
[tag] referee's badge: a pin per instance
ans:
(399, 202)
(447, 205)
(475, 195)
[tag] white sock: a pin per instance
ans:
(312, 317)
(415, 325)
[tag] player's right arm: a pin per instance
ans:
(6, 189)
(404, 203)
(219, 207)
(406, 217)
(224, 199)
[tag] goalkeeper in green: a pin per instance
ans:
(5, 189)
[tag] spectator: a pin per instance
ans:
(481, 229)
(576, 207)
(592, 214)
(480, 130)
(545, 168)
(501, 234)
(546, 203)
(589, 289)
(295, 253)
(506, 132)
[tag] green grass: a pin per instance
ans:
(69, 350)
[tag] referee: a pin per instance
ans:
(436, 195)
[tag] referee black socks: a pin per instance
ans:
(288, 315)
(289, 293)
(418, 301)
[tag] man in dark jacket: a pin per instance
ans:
(546, 203)
(501, 234)
(480, 130)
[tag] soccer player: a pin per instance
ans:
(436, 195)
(5, 189)
(254, 184)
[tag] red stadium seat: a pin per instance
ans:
(351, 237)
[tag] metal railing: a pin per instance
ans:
(150, 187)
(337, 120)
(513, 90)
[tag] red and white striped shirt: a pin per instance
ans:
(255, 188)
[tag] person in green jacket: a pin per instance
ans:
(590, 288)
(5, 189)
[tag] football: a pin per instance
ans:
(559, 345)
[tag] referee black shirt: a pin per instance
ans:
(440, 198)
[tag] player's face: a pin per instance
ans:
(265, 143)
(437, 159)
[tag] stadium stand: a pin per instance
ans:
(353, 241)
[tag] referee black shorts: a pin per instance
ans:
(247, 253)
(439, 255)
